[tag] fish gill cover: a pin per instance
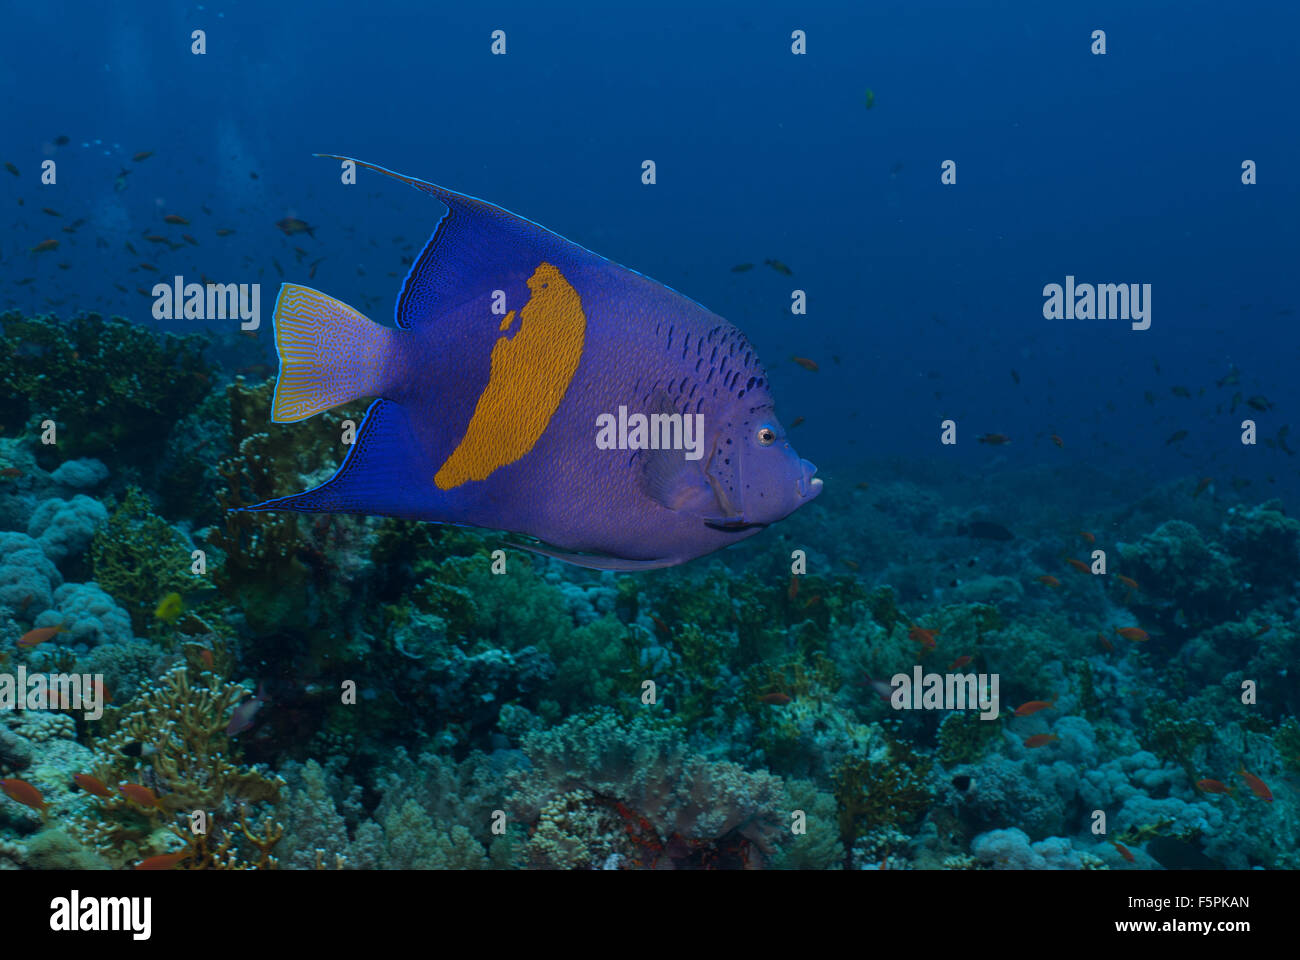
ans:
(536, 572)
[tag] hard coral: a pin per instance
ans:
(172, 740)
(886, 788)
(265, 461)
(138, 558)
(114, 387)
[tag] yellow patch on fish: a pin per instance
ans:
(530, 373)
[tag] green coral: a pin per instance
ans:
(964, 737)
(883, 606)
(264, 461)
(1173, 732)
(138, 558)
(114, 387)
(1287, 742)
(595, 665)
(887, 788)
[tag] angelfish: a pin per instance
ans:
(512, 347)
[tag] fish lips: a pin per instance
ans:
(808, 486)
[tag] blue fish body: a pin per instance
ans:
(510, 393)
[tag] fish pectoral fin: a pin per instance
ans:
(670, 479)
(594, 561)
(676, 483)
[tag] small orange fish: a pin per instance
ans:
(1057, 440)
(1200, 486)
(792, 591)
(174, 218)
(224, 231)
(1123, 851)
(148, 266)
(806, 363)
(52, 212)
(24, 793)
(1033, 706)
(1133, 633)
(812, 601)
(1106, 644)
(188, 239)
(206, 656)
(776, 699)
(1048, 579)
(662, 630)
(49, 243)
(92, 785)
(1127, 581)
(38, 636)
(852, 564)
(1040, 740)
(139, 794)
(1257, 786)
(1213, 786)
(924, 637)
(10, 473)
(960, 662)
(1079, 565)
(995, 439)
(1261, 631)
(142, 155)
(795, 422)
(861, 485)
(1087, 537)
(164, 861)
(155, 238)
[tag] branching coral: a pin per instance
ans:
(886, 788)
(171, 739)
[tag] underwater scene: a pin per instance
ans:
(709, 437)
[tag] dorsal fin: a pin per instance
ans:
(474, 247)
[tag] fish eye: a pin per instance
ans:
(766, 436)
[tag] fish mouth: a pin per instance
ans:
(734, 525)
(808, 486)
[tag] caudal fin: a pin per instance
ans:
(329, 354)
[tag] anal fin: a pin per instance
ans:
(383, 473)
